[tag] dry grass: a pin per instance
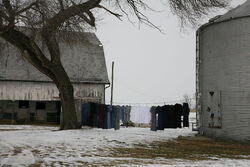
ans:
(17, 150)
(38, 164)
(9, 129)
(188, 148)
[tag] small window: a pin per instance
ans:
(40, 105)
(23, 104)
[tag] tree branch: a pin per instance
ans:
(8, 6)
(53, 47)
(61, 4)
(26, 8)
(109, 11)
(30, 50)
(63, 15)
(90, 20)
(11, 13)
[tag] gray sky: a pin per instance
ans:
(150, 67)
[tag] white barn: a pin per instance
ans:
(26, 95)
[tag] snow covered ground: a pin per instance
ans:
(45, 146)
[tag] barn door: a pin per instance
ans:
(214, 109)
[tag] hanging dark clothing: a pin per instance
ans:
(178, 110)
(186, 111)
(107, 120)
(101, 116)
(113, 117)
(174, 117)
(85, 114)
(160, 112)
(166, 116)
(92, 114)
(95, 115)
(117, 117)
(153, 125)
(109, 110)
(122, 114)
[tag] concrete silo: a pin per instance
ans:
(223, 76)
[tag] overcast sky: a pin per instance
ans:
(150, 66)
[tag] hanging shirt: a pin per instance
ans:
(140, 114)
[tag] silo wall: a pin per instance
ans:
(223, 79)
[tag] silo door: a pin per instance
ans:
(214, 109)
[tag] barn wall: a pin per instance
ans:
(224, 68)
(23, 115)
(10, 90)
(13, 91)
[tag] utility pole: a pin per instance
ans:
(112, 84)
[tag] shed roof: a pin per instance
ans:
(238, 12)
(82, 56)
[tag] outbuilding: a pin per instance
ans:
(223, 76)
(27, 95)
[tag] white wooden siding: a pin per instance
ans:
(36, 91)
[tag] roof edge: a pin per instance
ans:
(73, 82)
(213, 22)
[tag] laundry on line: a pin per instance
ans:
(157, 117)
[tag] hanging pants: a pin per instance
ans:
(153, 119)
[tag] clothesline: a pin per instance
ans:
(151, 104)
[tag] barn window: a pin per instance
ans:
(40, 105)
(10, 116)
(23, 104)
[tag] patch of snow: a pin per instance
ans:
(71, 145)
(21, 159)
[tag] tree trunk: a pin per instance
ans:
(66, 93)
(63, 83)
(69, 119)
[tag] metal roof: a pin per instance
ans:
(238, 12)
(82, 56)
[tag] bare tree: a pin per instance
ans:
(50, 16)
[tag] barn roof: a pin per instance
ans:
(238, 12)
(82, 56)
